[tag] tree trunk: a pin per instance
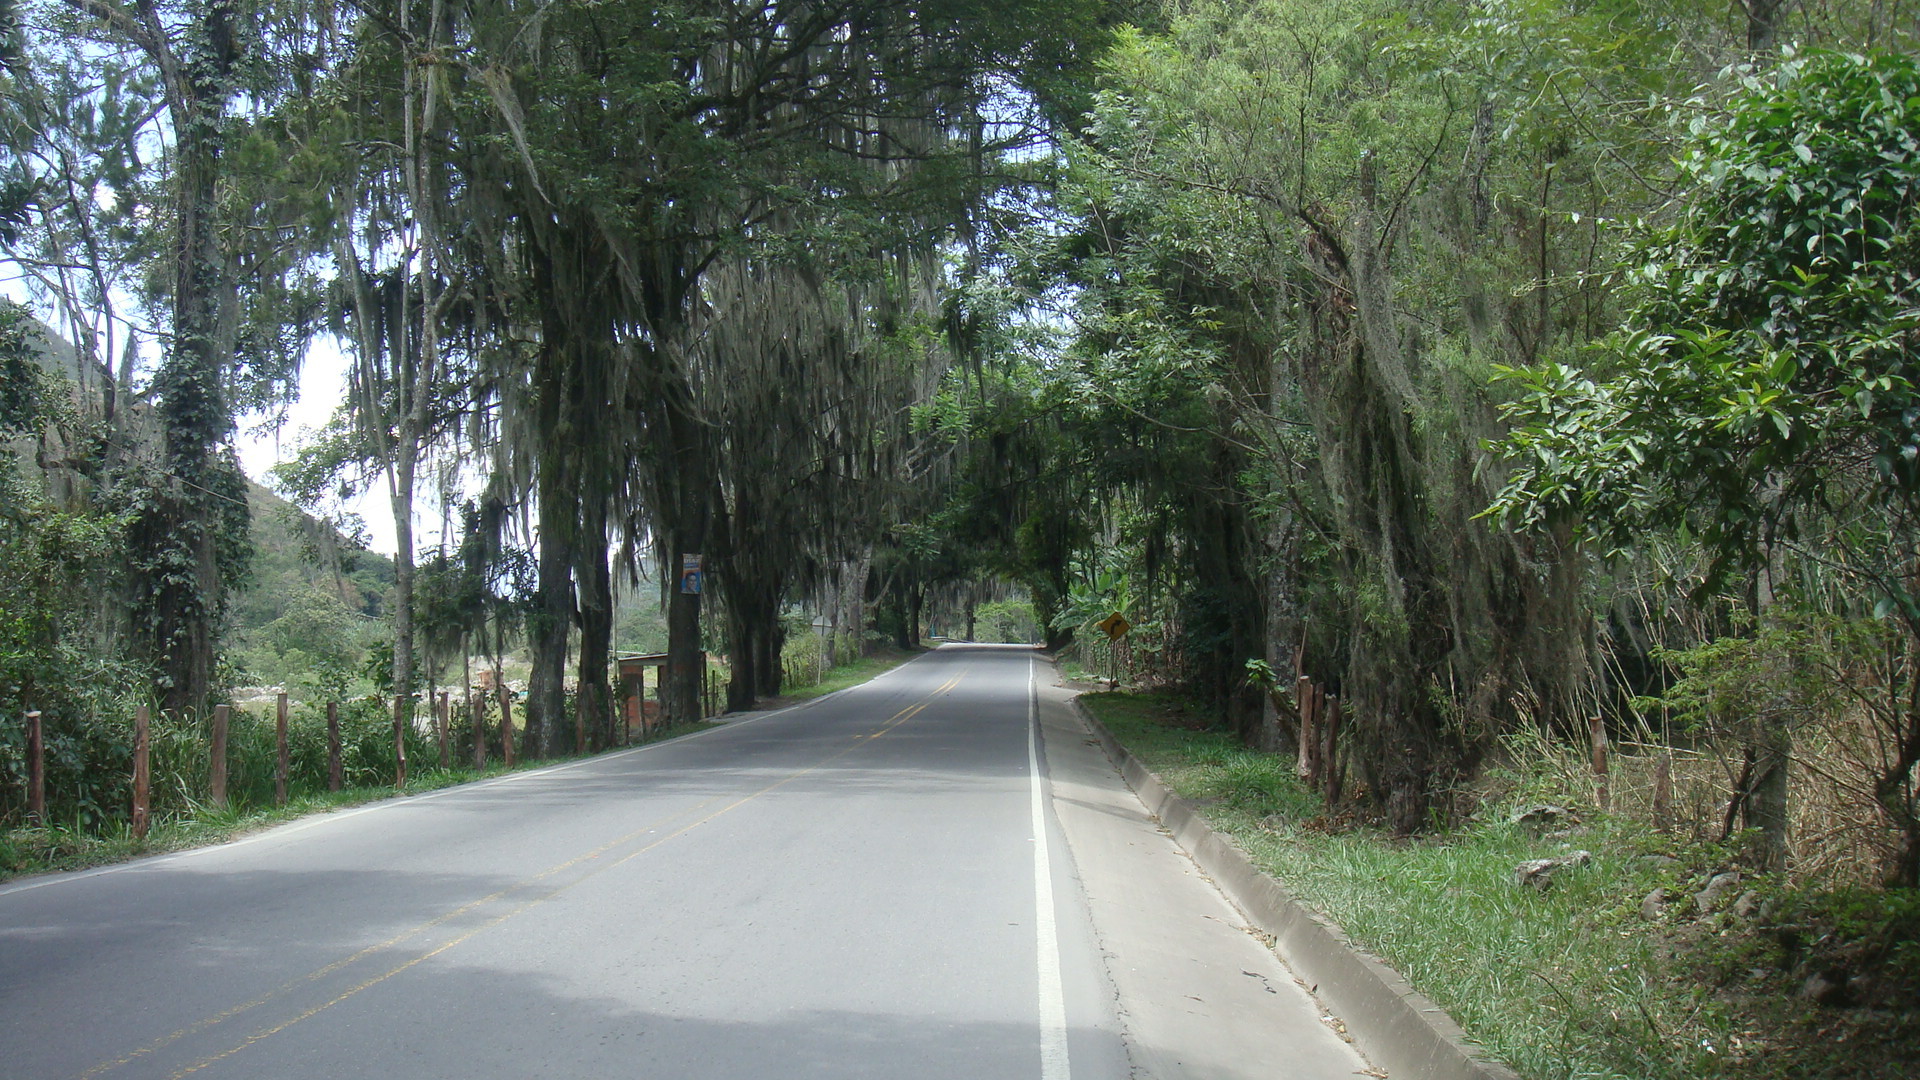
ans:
(1358, 368)
(744, 629)
(596, 637)
(1767, 803)
(176, 543)
(772, 645)
(551, 621)
(1283, 630)
(856, 594)
(400, 475)
(686, 660)
(1763, 24)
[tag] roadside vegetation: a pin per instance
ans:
(1616, 969)
(90, 778)
(40, 849)
(809, 682)
(1435, 393)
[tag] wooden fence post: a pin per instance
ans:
(402, 707)
(1663, 791)
(442, 720)
(1329, 752)
(1603, 787)
(36, 770)
(217, 776)
(142, 772)
(336, 778)
(1304, 700)
(506, 724)
(477, 713)
(280, 762)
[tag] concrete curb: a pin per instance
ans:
(1395, 1026)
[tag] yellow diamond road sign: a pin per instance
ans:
(1115, 625)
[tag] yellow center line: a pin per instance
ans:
(894, 721)
(899, 718)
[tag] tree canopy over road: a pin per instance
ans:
(1492, 365)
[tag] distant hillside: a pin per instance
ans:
(313, 605)
(297, 553)
(312, 596)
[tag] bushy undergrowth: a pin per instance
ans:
(804, 679)
(1574, 981)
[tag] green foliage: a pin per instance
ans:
(1011, 621)
(23, 385)
(1764, 391)
(1780, 672)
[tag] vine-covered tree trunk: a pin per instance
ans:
(1284, 633)
(401, 498)
(1400, 636)
(188, 538)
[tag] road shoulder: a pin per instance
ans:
(1199, 995)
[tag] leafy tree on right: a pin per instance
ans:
(1762, 396)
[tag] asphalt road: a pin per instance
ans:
(873, 885)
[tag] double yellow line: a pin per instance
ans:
(913, 710)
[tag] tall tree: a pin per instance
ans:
(188, 534)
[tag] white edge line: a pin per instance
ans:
(41, 881)
(1054, 1061)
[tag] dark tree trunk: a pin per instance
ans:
(772, 645)
(551, 621)
(689, 505)
(1230, 614)
(745, 656)
(1894, 788)
(596, 637)
(686, 659)
(1763, 24)
(1399, 645)
(900, 616)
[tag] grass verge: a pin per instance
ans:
(842, 677)
(28, 850)
(1570, 983)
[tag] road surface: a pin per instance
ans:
(879, 884)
